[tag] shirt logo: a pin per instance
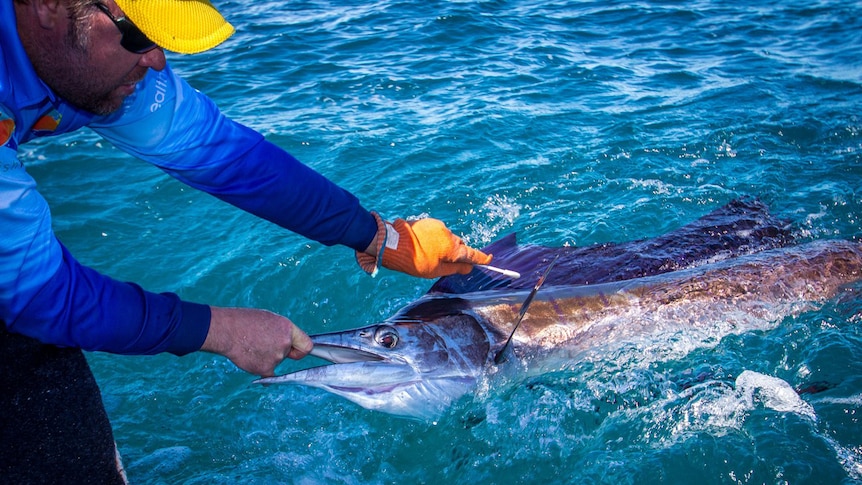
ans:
(48, 122)
(7, 127)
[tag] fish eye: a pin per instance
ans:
(386, 336)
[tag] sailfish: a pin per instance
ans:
(736, 269)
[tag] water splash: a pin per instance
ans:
(774, 393)
(500, 213)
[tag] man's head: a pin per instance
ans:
(92, 55)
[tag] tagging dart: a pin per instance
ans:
(511, 274)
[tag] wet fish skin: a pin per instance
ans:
(434, 351)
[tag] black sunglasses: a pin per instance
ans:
(133, 40)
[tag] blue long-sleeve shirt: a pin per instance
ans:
(46, 294)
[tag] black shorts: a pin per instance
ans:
(53, 426)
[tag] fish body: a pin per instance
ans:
(436, 349)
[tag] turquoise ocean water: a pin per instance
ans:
(573, 123)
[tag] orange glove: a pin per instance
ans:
(424, 248)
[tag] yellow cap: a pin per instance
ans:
(184, 26)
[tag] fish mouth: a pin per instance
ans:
(359, 368)
(338, 354)
(334, 353)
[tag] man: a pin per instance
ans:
(67, 64)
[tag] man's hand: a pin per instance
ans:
(255, 340)
(424, 248)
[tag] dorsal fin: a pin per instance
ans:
(743, 226)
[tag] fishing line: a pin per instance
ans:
(499, 358)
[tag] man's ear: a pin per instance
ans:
(49, 12)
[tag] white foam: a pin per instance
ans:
(774, 393)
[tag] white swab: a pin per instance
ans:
(511, 274)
